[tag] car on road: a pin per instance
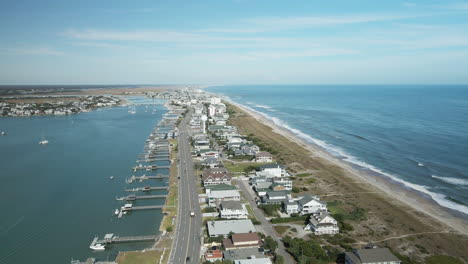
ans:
(192, 213)
(187, 259)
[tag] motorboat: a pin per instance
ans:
(43, 142)
(116, 211)
(98, 247)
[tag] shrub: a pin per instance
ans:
(169, 229)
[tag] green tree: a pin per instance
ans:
(270, 243)
(278, 259)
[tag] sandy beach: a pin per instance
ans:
(393, 190)
(398, 217)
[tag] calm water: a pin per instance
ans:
(418, 135)
(57, 197)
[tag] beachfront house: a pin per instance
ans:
(322, 224)
(275, 170)
(253, 260)
(371, 256)
(311, 204)
(233, 210)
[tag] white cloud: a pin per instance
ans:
(45, 51)
(266, 24)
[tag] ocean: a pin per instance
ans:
(57, 197)
(416, 135)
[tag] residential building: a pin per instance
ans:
(243, 240)
(322, 224)
(311, 205)
(215, 197)
(233, 210)
(277, 197)
(243, 253)
(211, 162)
(276, 170)
(225, 227)
(371, 256)
(263, 156)
(216, 176)
(291, 207)
(213, 255)
(286, 182)
(253, 260)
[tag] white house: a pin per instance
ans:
(222, 195)
(233, 210)
(276, 170)
(322, 224)
(311, 205)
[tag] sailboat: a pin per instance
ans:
(132, 110)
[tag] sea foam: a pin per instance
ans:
(454, 181)
(338, 152)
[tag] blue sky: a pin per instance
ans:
(233, 42)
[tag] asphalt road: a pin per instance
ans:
(188, 234)
(267, 227)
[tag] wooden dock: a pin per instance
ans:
(154, 160)
(146, 207)
(140, 197)
(144, 177)
(147, 189)
(110, 238)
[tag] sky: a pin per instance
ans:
(219, 42)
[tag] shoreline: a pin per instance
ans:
(375, 181)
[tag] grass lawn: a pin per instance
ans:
(281, 229)
(240, 167)
(148, 257)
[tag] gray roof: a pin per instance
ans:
(373, 255)
(227, 226)
(271, 166)
(234, 205)
(276, 193)
(307, 198)
(242, 253)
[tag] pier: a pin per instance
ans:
(144, 177)
(149, 167)
(110, 238)
(145, 207)
(147, 188)
(140, 197)
(153, 160)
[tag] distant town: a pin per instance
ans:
(54, 105)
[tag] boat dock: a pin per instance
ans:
(110, 238)
(147, 188)
(149, 167)
(145, 207)
(144, 177)
(140, 197)
(154, 160)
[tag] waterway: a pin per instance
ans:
(57, 197)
